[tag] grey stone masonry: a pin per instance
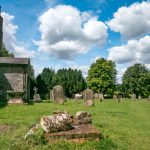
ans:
(14, 75)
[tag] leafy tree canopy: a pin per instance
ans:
(45, 81)
(136, 80)
(71, 80)
(102, 76)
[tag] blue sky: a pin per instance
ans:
(74, 33)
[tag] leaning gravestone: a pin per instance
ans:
(88, 97)
(52, 95)
(58, 94)
(133, 97)
(36, 96)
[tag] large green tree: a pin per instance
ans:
(136, 80)
(45, 82)
(102, 76)
(71, 80)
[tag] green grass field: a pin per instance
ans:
(124, 126)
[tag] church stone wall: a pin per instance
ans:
(14, 78)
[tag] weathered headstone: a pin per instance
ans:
(36, 96)
(101, 97)
(58, 94)
(96, 96)
(139, 97)
(60, 121)
(119, 98)
(88, 97)
(148, 98)
(133, 97)
(115, 97)
(52, 95)
(82, 117)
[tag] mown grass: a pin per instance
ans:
(124, 125)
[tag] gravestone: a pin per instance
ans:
(119, 98)
(96, 96)
(133, 97)
(52, 95)
(101, 97)
(82, 117)
(58, 94)
(59, 121)
(115, 97)
(62, 126)
(36, 96)
(139, 97)
(88, 97)
(148, 98)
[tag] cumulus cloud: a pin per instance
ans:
(9, 38)
(66, 32)
(137, 51)
(132, 21)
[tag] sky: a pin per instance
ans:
(75, 33)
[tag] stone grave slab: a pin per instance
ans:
(15, 101)
(80, 134)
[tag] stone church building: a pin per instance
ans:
(14, 74)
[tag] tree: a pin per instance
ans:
(5, 53)
(45, 82)
(102, 76)
(32, 81)
(71, 80)
(136, 80)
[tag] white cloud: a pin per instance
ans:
(148, 66)
(120, 71)
(9, 38)
(137, 51)
(67, 32)
(132, 21)
(93, 60)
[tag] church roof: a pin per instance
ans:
(14, 61)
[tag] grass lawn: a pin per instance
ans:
(124, 126)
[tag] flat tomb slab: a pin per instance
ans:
(80, 134)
